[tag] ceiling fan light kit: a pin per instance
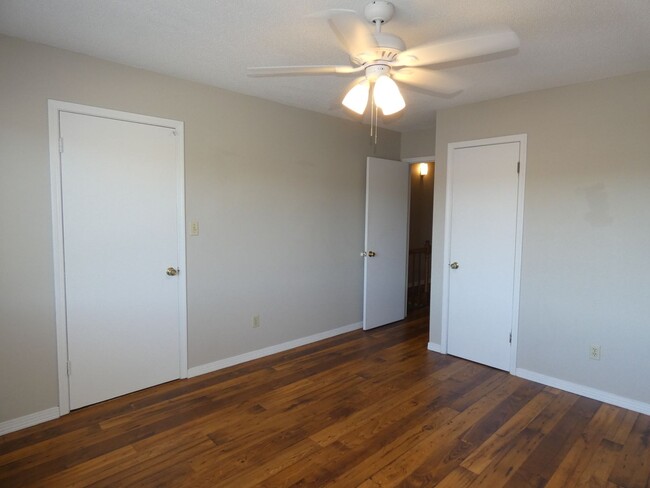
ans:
(387, 96)
(357, 98)
(384, 58)
(385, 92)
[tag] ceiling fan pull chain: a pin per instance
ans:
(372, 108)
(376, 116)
(376, 123)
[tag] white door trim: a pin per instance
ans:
(521, 139)
(54, 108)
(423, 159)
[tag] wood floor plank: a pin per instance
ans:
(578, 458)
(441, 462)
(458, 478)
(368, 409)
(633, 463)
(442, 440)
(377, 410)
(398, 430)
(437, 467)
(597, 472)
(256, 474)
(391, 444)
(31, 468)
(550, 452)
(482, 457)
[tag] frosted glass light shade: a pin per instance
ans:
(387, 96)
(357, 98)
(424, 169)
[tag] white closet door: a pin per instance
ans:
(120, 234)
(484, 200)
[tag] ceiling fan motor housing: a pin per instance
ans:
(374, 71)
(388, 47)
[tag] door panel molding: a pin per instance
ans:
(516, 138)
(55, 107)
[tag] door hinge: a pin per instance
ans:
(518, 166)
(60, 145)
(510, 340)
(69, 368)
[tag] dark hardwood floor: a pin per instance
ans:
(362, 409)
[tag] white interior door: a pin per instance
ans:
(120, 233)
(386, 252)
(483, 230)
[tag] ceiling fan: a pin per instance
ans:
(383, 58)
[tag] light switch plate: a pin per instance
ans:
(194, 228)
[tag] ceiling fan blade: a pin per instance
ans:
(300, 70)
(460, 47)
(354, 34)
(432, 81)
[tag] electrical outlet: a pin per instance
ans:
(256, 321)
(594, 352)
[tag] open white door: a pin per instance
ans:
(386, 244)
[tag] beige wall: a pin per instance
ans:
(586, 267)
(279, 194)
(419, 143)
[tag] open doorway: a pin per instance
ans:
(420, 232)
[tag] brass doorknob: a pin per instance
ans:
(172, 271)
(454, 265)
(371, 254)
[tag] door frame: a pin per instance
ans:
(522, 140)
(411, 162)
(55, 107)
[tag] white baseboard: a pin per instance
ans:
(432, 346)
(29, 420)
(267, 351)
(585, 391)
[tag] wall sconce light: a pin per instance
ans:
(424, 169)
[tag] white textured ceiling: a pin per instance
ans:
(213, 41)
